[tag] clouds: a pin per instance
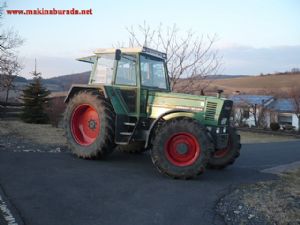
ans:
(252, 61)
(237, 60)
(53, 66)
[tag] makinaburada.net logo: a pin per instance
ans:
(53, 11)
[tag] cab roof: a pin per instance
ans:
(101, 51)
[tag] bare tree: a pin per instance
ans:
(9, 71)
(262, 116)
(9, 39)
(188, 56)
(294, 95)
(9, 65)
(237, 114)
(295, 70)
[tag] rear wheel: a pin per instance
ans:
(180, 149)
(222, 158)
(89, 125)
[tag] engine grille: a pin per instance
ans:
(211, 108)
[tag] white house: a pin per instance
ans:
(283, 112)
(252, 110)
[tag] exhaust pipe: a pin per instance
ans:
(219, 93)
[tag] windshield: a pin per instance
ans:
(153, 72)
(103, 70)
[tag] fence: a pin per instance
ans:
(10, 110)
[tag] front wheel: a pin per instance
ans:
(180, 148)
(222, 158)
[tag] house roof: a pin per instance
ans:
(282, 105)
(251, 99)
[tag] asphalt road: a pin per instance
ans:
(58, 188)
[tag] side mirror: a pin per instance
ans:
(118, 54)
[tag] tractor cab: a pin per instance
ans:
(128, 75)
(135, 67)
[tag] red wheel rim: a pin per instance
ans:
(182, 149)
(85, 124)
(221, 152)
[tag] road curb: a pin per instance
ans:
(8, 213)
(282, 168)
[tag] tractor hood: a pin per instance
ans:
(162, 102)
(176, 100)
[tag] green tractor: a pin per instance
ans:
(128, 105)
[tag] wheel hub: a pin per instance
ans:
(182, 148)
(92, 124)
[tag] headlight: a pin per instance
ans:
(223, 121)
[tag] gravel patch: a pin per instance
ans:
(274, 202)
(235, 211)
(14, 143)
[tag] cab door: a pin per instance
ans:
(126, 83)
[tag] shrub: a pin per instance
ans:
(35, 99)
(55, 110)
(275, 126)
(288, 127)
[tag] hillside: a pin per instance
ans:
(222, 77)
(55, 85)
(260, 84)
(17, 78)
(267, 84)
(65, 82)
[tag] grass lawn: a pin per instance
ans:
(47, 134)
(38, 133)
(250, 137)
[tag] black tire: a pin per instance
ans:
(100, 141)
(182, 160)
(134, 148)
(225, 157)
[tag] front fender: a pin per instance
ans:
(171, 114)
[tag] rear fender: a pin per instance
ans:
(76, 88)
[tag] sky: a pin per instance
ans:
(253, 36)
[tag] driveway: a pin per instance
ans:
(44, 188)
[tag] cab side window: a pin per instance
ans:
(126, 70)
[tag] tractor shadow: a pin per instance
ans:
(139, 166)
